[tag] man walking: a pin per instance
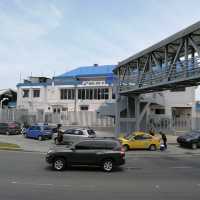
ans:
(60, 134)
(164, 138)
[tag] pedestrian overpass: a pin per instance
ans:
(172, 64)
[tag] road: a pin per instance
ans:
(25, 176)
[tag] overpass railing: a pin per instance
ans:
(181, 70)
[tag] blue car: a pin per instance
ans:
(39, 132)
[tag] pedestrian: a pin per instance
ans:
(60, 134)
(151, 132)
(164, 138)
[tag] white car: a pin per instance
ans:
(72, 135)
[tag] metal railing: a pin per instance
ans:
(181, 70)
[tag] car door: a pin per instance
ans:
(148, 140)
(138, 142)
(34, 131)
(83, 154)
(67, 135)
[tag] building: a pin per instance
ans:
(85, 88)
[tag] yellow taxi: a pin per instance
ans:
(140, 140)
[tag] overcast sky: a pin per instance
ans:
(47, 37)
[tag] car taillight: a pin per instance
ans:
(12, 126)
(122, 151)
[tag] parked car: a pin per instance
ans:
(39, 132)
(191, 139)
(140, 140)
(106, 153)
(73, 135)
(10, 128)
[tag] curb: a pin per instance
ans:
(10, 149)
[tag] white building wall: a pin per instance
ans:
(180, 99)
(50, 98)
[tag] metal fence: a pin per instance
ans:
(173, 125)
(81, 118)
(162, 123)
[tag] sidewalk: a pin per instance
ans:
(171, 139)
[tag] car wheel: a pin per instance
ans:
(7, 133)
(194, 146)
(40, 138)
(107, 165)
(59, 164)
(126, 147)
(152, 147)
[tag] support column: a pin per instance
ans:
(75, 99)
(137, 113)
(193, 58)
(186, 56)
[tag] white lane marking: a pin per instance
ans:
(181, 167)
(91, 187)
(37, 184)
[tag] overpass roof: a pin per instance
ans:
(195, 29)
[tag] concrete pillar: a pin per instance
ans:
(137, 113)
(75, 99)
(110, 93)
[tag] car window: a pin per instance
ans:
(78, 132)
(83, 145)
(139, 137)
(98, 145)
(3, 124)
(91, 132)
(113, 145)
(46, 128)
(35, 128)
(69, 131)
(147, 137)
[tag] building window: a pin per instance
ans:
(84, 107)
(99, 93)
(67, 94)
(113, 94)
(64, 109)
(95, 94)
(25, 93)
(36, 93)
(160, 111)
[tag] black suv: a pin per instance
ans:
(106, 153)
(10, 128)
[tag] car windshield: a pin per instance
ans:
(192, 134)
(46, 128)
(129, 137)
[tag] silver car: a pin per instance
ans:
(73, 135)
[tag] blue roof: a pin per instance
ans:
(85, 71)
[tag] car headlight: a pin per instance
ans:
(50, 151)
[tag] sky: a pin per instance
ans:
(50, 37)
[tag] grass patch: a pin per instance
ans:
(9, 146)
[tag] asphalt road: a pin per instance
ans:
(26, 176)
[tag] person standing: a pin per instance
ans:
(164, 139)
(60, 134)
